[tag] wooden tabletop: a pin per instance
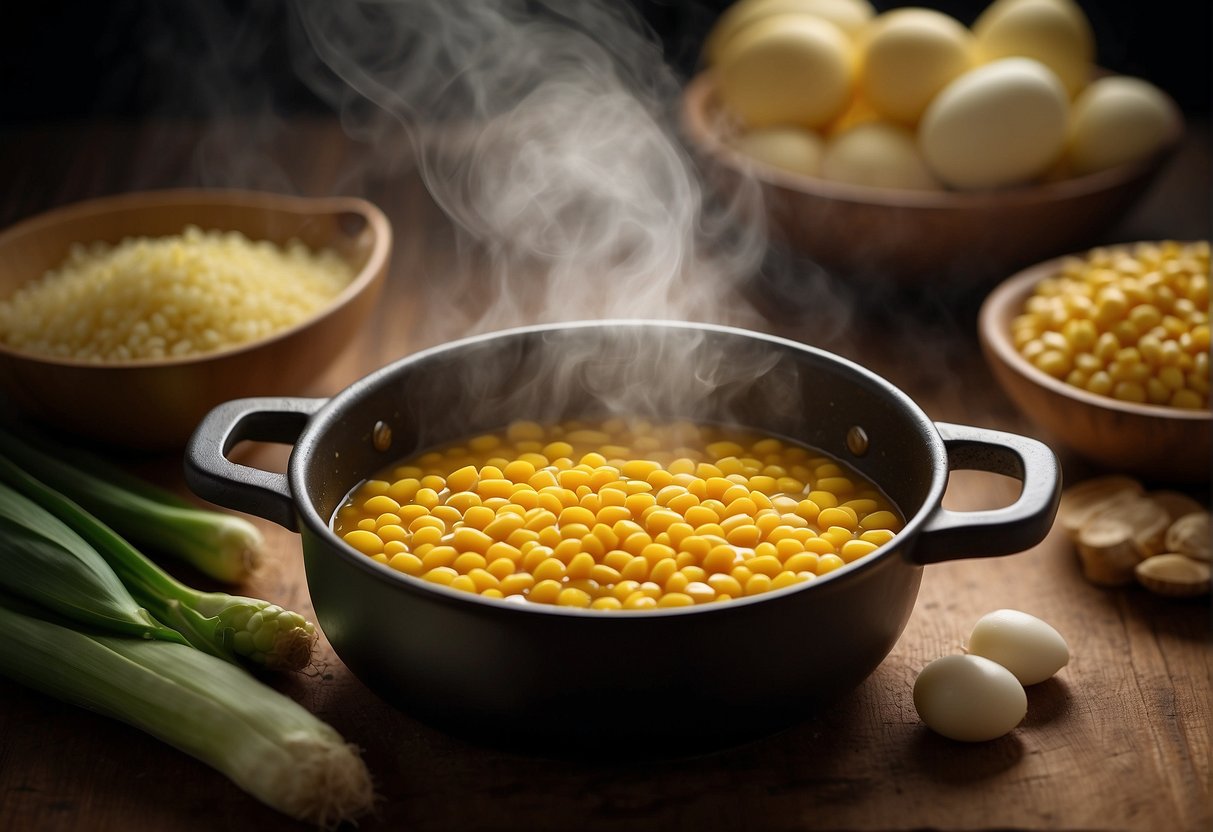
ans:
(1120, 739)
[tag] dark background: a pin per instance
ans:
(132, 58)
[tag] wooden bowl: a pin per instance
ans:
(156, 403)
(1156, 443)
(919, 237)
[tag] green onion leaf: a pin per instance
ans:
(222, 546)
(227, 626)
(44, 561)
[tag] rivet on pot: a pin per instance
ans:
(381, 436)
(857, 440)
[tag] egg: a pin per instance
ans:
(1028, 647)
(907, 56)
(999, 124)
(789, 148)
(788, 69)
(857, 112)
(1054, 32)
(1117, 120)
(877, 153)
(848, 15)
(969, 698)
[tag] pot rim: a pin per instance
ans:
(330, 412)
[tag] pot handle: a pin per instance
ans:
(952, 535)
(212, 476)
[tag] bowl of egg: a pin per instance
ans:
(618, 537)
(906, 146)
(1108, 351)
(127, 318)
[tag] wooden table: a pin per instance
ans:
(1120, 739)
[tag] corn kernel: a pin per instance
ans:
(757, 584)
(642, 520)
(828, 563)
(639, 601)
(517, 584)
(785, 579)
(545, 592)
(441, 575)
(406, 562)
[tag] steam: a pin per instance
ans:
(547, 132)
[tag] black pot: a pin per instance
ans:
(583, 680)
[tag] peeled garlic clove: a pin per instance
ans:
(969, 698)
(1028, 647)
(1174, 574)
(1189, 535)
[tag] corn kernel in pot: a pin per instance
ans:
(602, 516)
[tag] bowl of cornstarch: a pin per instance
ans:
(126, 318)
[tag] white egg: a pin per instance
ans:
(788, 69)
(1054, 32)
(789, 148)
(907, 56)
(1022, 643)
(997, 125)
(877, 153)
(1117, 120)
(969, 698)
(848, 15)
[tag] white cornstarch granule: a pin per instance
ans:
(185, 294)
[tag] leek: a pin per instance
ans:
(222, 546)
(265, 742)
(224, 625)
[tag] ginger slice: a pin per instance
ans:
(1176, 504)
(1173, 574)
(1080, 502)
(1107, 551)
(1148, 520)
(1189, 535)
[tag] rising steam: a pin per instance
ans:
(547, 132)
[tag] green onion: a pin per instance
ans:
(46, 562)
(222, 546)
(266, 743)
(224, 625)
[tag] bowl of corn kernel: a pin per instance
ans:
(127, 318)
(618, 534)
(1108, 350)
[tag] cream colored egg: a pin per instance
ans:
(997, 125)
(789, 148)
(877, 153)
(857, 112)
(788, 69)
(907, 56)
(1117, 120)
(1054, 32)
(848, 15)
(969, 698)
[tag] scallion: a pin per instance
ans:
(224, 625)
(222, 546)
(265, 742)
(44, 561)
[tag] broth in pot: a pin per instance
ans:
(618, 514)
